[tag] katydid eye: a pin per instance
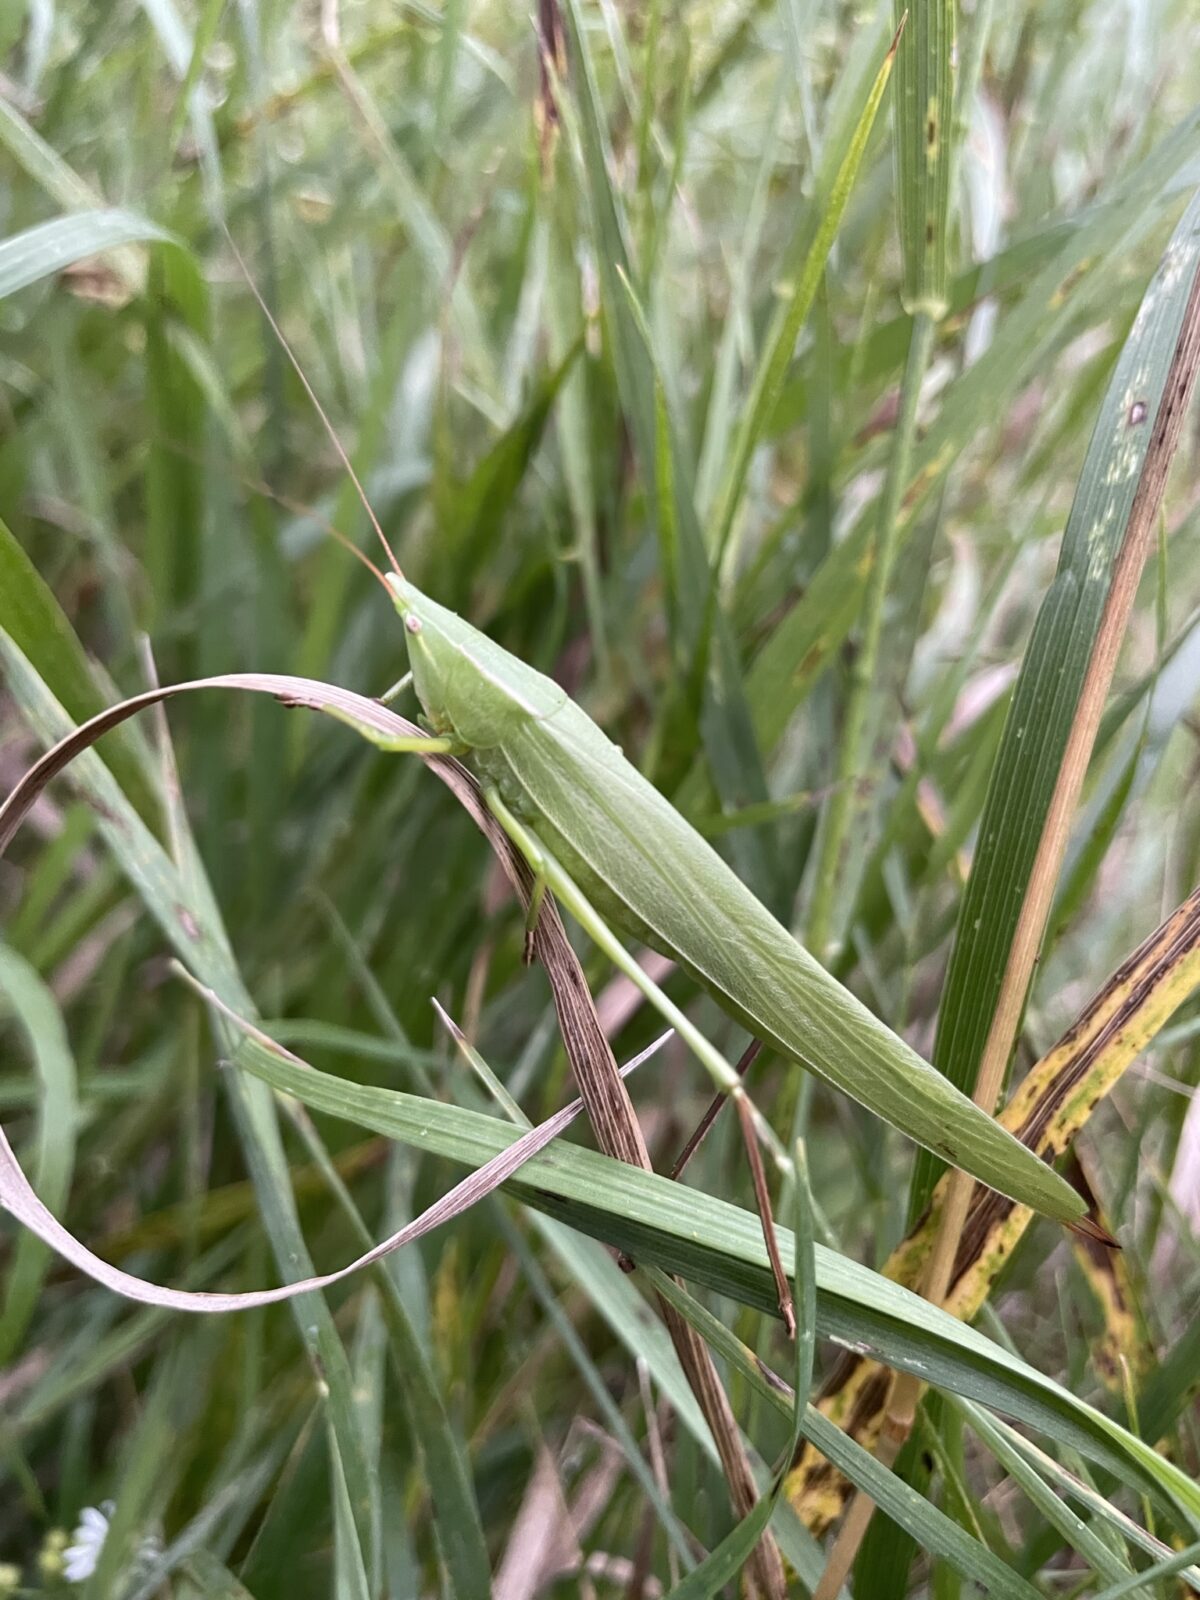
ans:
(413, 624)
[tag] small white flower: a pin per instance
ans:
(81, 1556)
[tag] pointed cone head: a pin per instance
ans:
(469, 687)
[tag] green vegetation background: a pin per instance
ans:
(438, 255)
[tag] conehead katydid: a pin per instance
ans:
(614, 850)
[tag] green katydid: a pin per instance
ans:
(603, 839)
(610, 847)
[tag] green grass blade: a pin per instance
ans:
(703, 636)
(1144, 1582)
(1069, 287)
(731, 1555)
(34, 620)
(47, 169)
(190, 924)
(924, 137)
(930, 1527)
(473, 511)
(804, 1281)
(176, 475)
(447, 1471)
(724, 1563)
(613, 1420)
(1082, 1538)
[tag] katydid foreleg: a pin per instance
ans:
(414, 744)
(418, 745)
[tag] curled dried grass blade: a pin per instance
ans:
(17, 1196)
(19, 1200)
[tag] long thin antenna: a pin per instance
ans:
(317, 406)
(298, 508)
(349, 545)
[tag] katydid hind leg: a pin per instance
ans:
(569, 895)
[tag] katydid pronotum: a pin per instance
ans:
(612, 849)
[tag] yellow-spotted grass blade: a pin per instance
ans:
(1051, 1105)
(1122, 1352)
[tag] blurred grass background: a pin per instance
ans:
(428, 242)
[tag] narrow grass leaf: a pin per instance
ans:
(704, 637)
(1069, 287)
(1120, 1528)
(32, 617)
(179, 46)
(474, 510)
(731, 1555)
(176, 472)
(614, 1421)
(42, 163)
(185, 911)
(932, 1528)
(19, 1200)
(1081, 1538)
(1144, 1582)
(804, 1281)
(924, 140)
(724, 1563)
(350, 1580)
(721, 1245)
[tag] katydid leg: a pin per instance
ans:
(416, 744)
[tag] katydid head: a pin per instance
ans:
(470, 688)
(428, 659)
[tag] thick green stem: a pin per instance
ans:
(855, 757)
